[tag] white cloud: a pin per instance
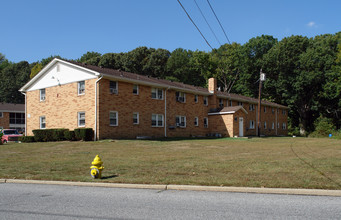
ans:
(311, 24)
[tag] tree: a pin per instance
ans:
(35, 70)
(111, 60)
(156, 64)
(89, 56)
(135, 60)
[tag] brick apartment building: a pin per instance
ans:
(119, 104)
(12, 116)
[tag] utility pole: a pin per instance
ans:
(261, 79)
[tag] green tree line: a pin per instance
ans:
(302, 73)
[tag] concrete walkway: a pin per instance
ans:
(286, 191)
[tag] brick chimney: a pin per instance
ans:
(212, 85)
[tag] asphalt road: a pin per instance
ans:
(34, 201)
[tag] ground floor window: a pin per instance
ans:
(81, 119)
(113, 117)
(196, 121)
(252, 124)
(284, 126)
(42, 122)
(180, 121)
(17, 118)
(157, 120)
(135, 118)
(265, 125)
(273, 126)
(205, 122)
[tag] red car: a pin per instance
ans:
(10, 135)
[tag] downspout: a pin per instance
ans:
(25, 113)
(95, 132)
(166, 111)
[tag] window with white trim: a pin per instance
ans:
(205, 100)
(81, 88)
(81, 119)
(196, 98)
(42, 95)
(221, 103)
(157, 93)
(265, 125)
(264, 109)
(230, 102)
(113, 87)
(136, 118)
(205, 122)
(240, 103)
(135, 89)
(273, 110)
(1, 115)
(157, 120)
(196, 121)
(251, 107)
(252, 124)
(113, 117)
(180, 97)
(283, 111)
(42, 122)
(180, 121)
(273, 126)
(284, 126)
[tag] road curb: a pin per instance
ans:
(286, 191)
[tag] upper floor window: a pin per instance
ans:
(264, 109)
(230, 102)
(180, 96)
(180, 121)
(135, 89)
(136, 118)
(1, 114)
(196, 121)
(205, 100)
(42, 122)
(113, 117)
(273, 110)
(157, 120)
(251, 107)
(113, 87)
(81, 119)
(42, 95)
(196, 98)
(157, 93)
(81, 88)
(283, 112)
(240, 103)
(221, 104)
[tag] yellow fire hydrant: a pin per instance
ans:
(96, 168)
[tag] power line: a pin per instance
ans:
(218, 21)
(194, 24)
(207, 22)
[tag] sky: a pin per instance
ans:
(36, 29)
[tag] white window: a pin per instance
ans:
(1, 114)
(42, 122)
(230, 102)
(180, 121)
(113, 117)
(136, 118)
(81, 88)
(283, 112)
(113, 87)
(273, 110)
(221, 104)
(240, 103)
(252, 124)
(273, 125)
(42, 95)
(180, 96)
(205, 122)
(196, 121)
(205, 100)
(157, 120)
(157, 93)
(135, 89)
(265, 125)
(251, 107)
(196, 98)
(81, 119)
(284, 126)
(264, 109)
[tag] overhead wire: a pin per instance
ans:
(207, 22)
(218, 21)
(194, 24)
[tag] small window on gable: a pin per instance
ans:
(157, 93)
(113, 118)
(42, 122)
(42, 95)
(196, 98)
(135, 89)
(81, 119)
(113, 87)
(180, 97)
(135, 118)
(58, 68)
(81, 88)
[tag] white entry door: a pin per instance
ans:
(241, 127)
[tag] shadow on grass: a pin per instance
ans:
(109, 177)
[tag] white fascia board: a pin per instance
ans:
(222, 113)
(50, 65)
(251, 102)
(141, 82)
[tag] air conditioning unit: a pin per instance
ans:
(160, 96)
(113, 91)
(180, 99)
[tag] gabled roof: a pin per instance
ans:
(227, 110)
(8, 107)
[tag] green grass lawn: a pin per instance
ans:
(257, 162)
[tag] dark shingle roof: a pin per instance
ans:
(8, 107)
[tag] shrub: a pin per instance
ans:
(1, 134)
(45, 135)
(69, 135)
(85, 134)
(27, 139)
(58, 134)
(323, 127)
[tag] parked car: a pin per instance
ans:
(10, 135)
